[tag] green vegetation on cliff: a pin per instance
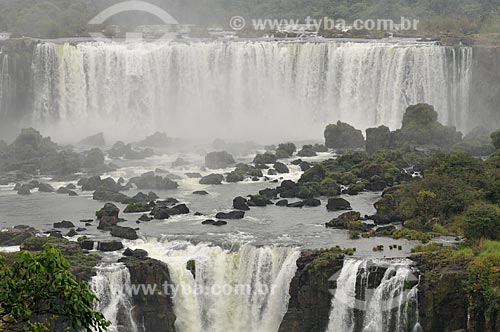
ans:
(38, 291)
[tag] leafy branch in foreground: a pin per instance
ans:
(38, 291)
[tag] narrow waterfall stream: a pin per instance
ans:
(375, 296)
(112, 287)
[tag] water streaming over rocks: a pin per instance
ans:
(375, 296)
(240, 289)
(112, 287)
(191, 88)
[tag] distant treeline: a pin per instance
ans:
(62, 18)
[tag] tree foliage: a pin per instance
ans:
(38, 292)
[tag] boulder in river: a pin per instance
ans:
(218, 159)
(45, 188)
(64, 224)
(108, 246)
(23, 190)
(124, 233)
(240, 203)
(338, 204)
(230, 215)
(281, 168)
(212, 179)
(214, 222)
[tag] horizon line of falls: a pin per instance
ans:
(245, 89)
(375, 295)
(243, 289)
(112, 287)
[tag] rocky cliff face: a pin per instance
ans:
(153, 312)
(310, 301)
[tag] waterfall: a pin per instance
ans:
(375, 296)
(6, 92)
(239, 290)
(245, 89)
(112, 287)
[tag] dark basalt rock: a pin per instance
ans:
(288, 189)
(145, 217)
(304, 166)
(161, 212)
(200, 192)
(342, 221)
(158, 139)
(230, 215)
(269, 193)
(110, 196)
(281, 168)
(152, 181)
(87, 244)
(108, 216)
(63, 190)
(108, 246)
(212, 179)
(16, 236)
(136, 207)
(272, 172)
(90, 184)
(137, 253)
(240, 203)
(64, 224)
(343, 136)
(310, 297)
(24, 190)
(298, 204)
(258, 200)
(45, 188)
(72, 193)
(263, 159)
(71, 186)
(124, 233)
(235, 177)
(338, 204)
(220, 159)
(154, 311)
(312, 202)
(215, 222)
(72, 233)
(283, 202)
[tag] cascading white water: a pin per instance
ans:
(366, 300)
(112, 287)
(6, 93)
(243, 290)
(246, 89)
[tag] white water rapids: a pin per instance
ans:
(245, 289)
(246, 89)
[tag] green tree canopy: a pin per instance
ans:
(38, 291)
